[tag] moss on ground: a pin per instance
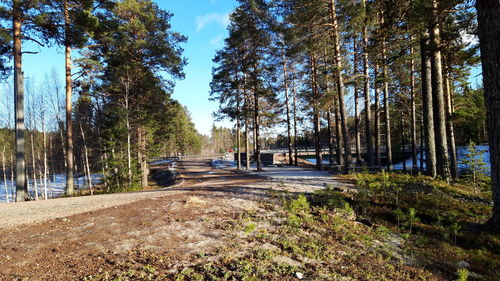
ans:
(397, 227)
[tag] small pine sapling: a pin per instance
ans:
(474, 163)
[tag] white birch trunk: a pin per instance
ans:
(5, 177)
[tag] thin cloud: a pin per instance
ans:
(203, 21)
(217, 40)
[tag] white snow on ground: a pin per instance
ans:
(159, 162)
(296, 179)
(299, 179)
(313, 160)
(223, 164)
(55, 186)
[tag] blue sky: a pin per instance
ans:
(204, 22)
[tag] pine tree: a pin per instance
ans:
(134, 43)
(72, 23)
(228, 84)
(251, 25)
(27, 17)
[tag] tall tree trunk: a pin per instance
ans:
(340, 86)
(129, 133)
(422, 137)
(254, 136)
(443, 166)
(387, 110)
(247, 129)
(288, 118)
(21, 192)
(331, 148)
(257, 128)
(450, 130)
(413, 111)
(238, 129)
(489, 36)
(427, 104)
(295, 132)
(69, 103)
(106, 171)
(378, 152)
(329, 117)
(338, 135)
(45, 164)
(247, 145)
(27, 185)
(64, 163)
(403, 143)
(366, 74)
(4, 173)
(316, 120)
(33, 162)
(143, 161)
(357, 133)
(12, 179)
(86, 164)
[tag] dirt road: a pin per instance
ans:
(72, 238)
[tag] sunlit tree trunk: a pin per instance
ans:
(331, 148)
(238, 130)
(247, 143)
(387, 110)
(256, 134)
(340, 86)
(129, 137)
(143, 161)
(288, 118)
(338, 134)
(33, 163)
(295, 132)
(12, 185)
(366, 78)
(21, 192)
(4, 174)
(69, 103)
(413, 111)
(450, 130)
(86, 164)
(257, 122)
(357, 133)
(316, 120)
(45, 164)
(378, 152)
(443, 166)
(427, 104)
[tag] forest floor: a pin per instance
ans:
(215, 225)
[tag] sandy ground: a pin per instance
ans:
(23, 213)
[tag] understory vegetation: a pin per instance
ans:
(393, 227)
